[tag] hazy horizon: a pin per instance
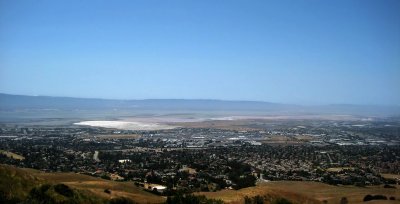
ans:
(200, 99)
(303, 52)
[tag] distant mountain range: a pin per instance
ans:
(10, 102)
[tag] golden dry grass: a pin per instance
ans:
(12, 155)
(98, 185)
(331, 193)
(306, 192)
(118, 189)
(91, 185)
(237, 196)
(391, 176)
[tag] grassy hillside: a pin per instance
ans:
(268, 194)
(307, 192)
(22, 185)
(16, 184)
(333, 194)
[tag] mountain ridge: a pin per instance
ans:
(10, 102)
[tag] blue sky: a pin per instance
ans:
(303, 52)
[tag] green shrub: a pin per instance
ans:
(63, 190)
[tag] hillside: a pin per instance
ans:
(16, 184)
(307, 192)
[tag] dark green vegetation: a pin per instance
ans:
(189, 198)
(376, 197)
(240, 175)
(121, 200)
(265, 199)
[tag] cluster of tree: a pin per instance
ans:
(7, 198)
(219, 181)
(190, 198)
(389, 186)
(240, 174)
(121, 200)
(153, 178)
(377, 197)
(344, 200)
(243, 181)
(262, 199)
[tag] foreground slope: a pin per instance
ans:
(17, 183)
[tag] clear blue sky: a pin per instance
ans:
(304, 52)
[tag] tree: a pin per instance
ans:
(247, 200)
(367, 198)
(344, 200)
(258, 200)
(282, 201)
(189, 198)
(121, 200)
(63, 190)
(374, 197)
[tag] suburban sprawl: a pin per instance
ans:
(187, 159)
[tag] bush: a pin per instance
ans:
(344, 200)
(388, 186)
(258, 200)
(261, 200)
(243, 182)
(4, 198)
(121, 200)
(63, 190)
(367, 198)
(247, 200)
(38, 194)
(192, 199)
(282, 201)
(374, 197)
